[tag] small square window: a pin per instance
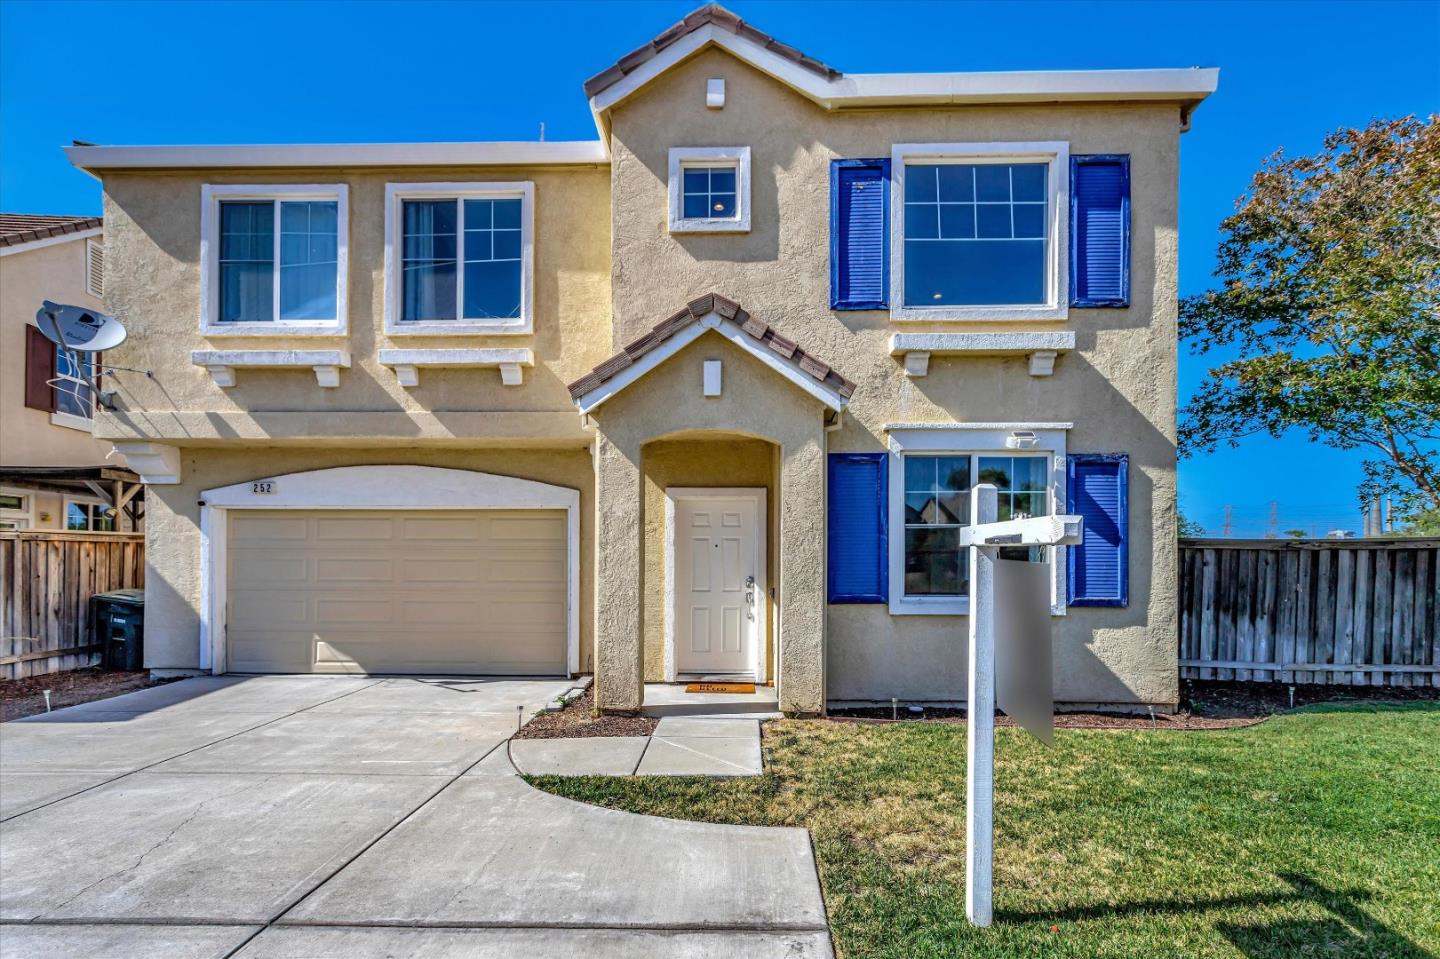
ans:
(710, 190)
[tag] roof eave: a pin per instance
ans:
(284, 156)
(858, 91)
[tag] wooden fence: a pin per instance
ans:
(1358, 612)
(46, 580)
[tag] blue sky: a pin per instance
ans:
(196, 72)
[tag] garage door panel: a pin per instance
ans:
(398, 592)
(265, 528)
(340, 570)
(423, 571)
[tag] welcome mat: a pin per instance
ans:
(720, 688)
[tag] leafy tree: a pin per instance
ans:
(1422, 523)
(1329, 294)
(1297, 533)
(1187, 528)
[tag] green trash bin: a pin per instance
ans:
(117, 626)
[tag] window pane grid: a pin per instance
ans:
(247, 261)
(463, 258)
(309, 260)
(708, 193)
(937, 504)
(73, 393)
(975, 233)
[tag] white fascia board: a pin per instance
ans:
(989, 427)
(730, 331)
(876, 89)
(994, 344)
(258, 156)
(1192, 85)
(45, 241)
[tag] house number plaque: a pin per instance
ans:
(263, 487)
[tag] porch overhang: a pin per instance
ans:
(712, 313)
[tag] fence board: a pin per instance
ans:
(46, 580)
(1311, 611)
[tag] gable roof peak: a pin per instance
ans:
(712, 14)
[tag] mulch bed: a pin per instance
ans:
(26, 697)
(575, 722)
(1204, 705)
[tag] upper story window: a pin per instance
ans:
(273, 260)
(459, 258)
(979, 231)
(709, 190)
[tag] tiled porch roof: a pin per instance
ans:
(711, 13)
(786, 349)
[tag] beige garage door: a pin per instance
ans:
(351, 591)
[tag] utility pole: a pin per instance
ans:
(1229, 521)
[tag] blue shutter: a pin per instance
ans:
(1099, 231)
(859, 234)
(856, 558)
(1097, 488)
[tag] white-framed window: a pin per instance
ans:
(85, 514)
(979, 231)
(709, 189)
(17, 509)
(932, 471)
(74, 394)
(274, 259)
(459, 258)
(94, 267)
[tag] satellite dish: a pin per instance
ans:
(76, 328)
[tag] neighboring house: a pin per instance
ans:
(53, 473)
(799, 312)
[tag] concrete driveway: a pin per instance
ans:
(356, 817)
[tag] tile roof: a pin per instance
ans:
(711, 13)
(17, 228)
(782, 346)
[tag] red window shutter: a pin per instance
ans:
(39, 370)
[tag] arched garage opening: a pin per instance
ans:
(390, 569)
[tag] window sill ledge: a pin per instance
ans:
(268, 330)
(222, 364)
(72, 422)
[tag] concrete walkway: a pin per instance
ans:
(699, 734)
(357, 817)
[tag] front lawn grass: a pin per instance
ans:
(1316, 833)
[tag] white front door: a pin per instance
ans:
(719, 577)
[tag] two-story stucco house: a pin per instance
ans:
(702, 397)
(54, 475)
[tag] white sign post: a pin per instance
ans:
(985, 536)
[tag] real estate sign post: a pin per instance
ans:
(1021, 620)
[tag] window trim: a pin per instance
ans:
(680, 158)
(1057, 254)
(25, 514)
(68, 499)
(395, 195)
(211, 194)
(967, 439)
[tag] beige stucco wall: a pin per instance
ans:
(172, 581)
(756, 403)
(153, 236)
(28, 276)
(1118, 387)
(717, 460)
